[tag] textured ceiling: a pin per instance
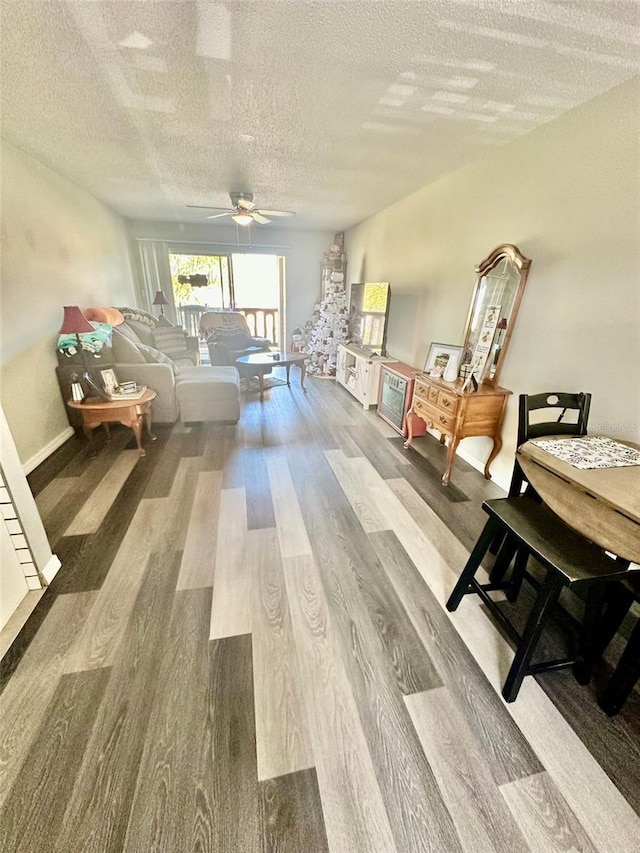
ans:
(332, 109)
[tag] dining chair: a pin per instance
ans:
(548, 403)
(552, 405)
(568, 560)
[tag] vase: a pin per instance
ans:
(451, 370)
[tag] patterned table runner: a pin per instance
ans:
(590, 452)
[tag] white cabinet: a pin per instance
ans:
(359, 372)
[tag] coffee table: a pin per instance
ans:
(264, 362)
(129, 413)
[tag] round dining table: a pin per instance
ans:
(602, 504)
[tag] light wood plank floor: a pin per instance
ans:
(246, 651)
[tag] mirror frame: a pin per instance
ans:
(522, 265)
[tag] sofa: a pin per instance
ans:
(161, 356)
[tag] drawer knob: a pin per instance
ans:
(446, 402)
(443, 420)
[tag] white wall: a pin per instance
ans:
(568, 195)
(60, 246)
(303, 251)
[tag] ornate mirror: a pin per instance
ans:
(493, 311)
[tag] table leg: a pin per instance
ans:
(497, 444)
(261, 384)
(407, 443)
(106, 429)
(88, 431)
(147, 420)
(136, 426)
(303, 373)
(451, 452)
(288, 369)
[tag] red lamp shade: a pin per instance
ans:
(74, 322)
(502, 324)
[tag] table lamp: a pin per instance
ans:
(161, 300)
(75, 323)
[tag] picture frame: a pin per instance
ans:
(109, 380)
(438, 357)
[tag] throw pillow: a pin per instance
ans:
(143, 332)
(104, 315)
(139, 315)
(170, 340)
(124, 350)
(154, 356)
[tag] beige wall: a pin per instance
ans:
(60, 246)
(303, 251)
(568, 195)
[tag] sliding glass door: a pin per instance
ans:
(249, 283)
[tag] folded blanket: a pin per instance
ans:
(92, 342)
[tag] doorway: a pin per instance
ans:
(252, 284)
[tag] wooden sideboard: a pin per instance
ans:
(458, 414)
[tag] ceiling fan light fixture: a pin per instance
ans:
(243, 219)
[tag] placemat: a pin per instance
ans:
(590, 452)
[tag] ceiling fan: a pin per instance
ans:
(244, 211)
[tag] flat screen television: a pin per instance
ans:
(368, 315)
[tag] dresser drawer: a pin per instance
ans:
(434, 415)
(422, 389)
(447, 401)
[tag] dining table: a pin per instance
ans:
(601, 503)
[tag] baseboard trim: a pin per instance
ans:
(51, 569)
(479, 466)
(474, 462)
(47, 450)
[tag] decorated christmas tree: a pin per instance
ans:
(330, 321)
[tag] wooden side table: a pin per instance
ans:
(129, 413)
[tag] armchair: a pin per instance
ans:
(228, 337)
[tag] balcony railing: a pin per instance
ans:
(263, 322)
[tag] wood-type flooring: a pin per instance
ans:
(246, 651)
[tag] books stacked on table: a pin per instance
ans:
(128, 391)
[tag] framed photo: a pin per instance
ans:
(438, 358)
(109, 380)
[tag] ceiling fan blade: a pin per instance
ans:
(218, 215)
(258, 217)
(208, 207)
(245, 204)
(275, 212)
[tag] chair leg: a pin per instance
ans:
(547, 598)
(589, 634)
(503, 560)
(616, 601)
(475, 558)
(625, 676)
(517, 576)
(517, 479)
(498, 539)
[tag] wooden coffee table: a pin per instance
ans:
(129, 413)
(264, 362)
